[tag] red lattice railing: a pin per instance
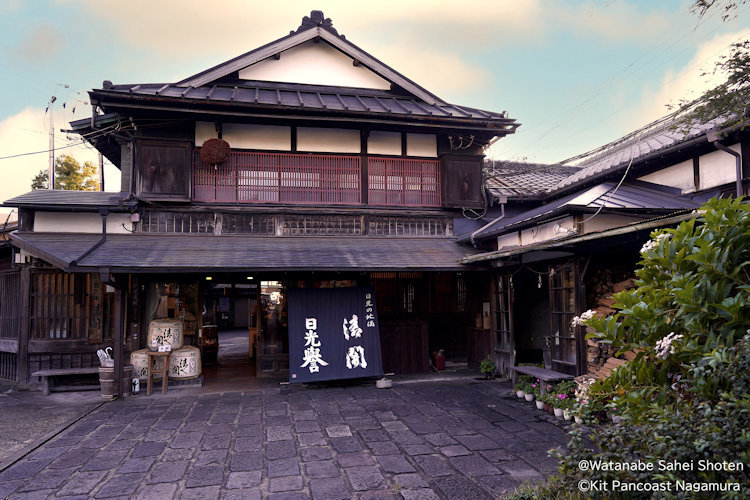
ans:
(250, 177)
(396, 181)
(279, 178)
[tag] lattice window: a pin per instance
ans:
(247, 224)
(70, 307)
(10, 301)
(177, 222)
(398, 226)
(322, 226)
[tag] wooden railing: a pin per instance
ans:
(250, 177)
(403, 182)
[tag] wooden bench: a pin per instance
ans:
(542, 374)
(46, 375)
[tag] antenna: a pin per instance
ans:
(51, 176)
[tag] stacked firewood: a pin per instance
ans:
(600, 355)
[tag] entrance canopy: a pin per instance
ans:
(206, 253)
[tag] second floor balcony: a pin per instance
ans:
(284, 178)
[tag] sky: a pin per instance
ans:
(575, 74)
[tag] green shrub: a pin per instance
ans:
(685, 398)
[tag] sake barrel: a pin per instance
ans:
(165, 332)
(185, 363)
(139, 360)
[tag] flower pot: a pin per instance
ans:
(540, 405)
(529, 397)
(520, 394)
(558, 412)
(578, 419)
(567, 415)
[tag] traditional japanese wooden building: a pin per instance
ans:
(341, 171)
(570, 236)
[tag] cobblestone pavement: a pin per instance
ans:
(457, 438)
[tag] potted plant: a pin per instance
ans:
(534, 386)
(541, 399)
(564, 399)
(522, 387)
(487, 367)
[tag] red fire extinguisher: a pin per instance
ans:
(439, 359)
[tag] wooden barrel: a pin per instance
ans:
(139, 360)
(185, 363)
(166, 332)
(107, 382)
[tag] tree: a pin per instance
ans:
(729, 100)
(69, 175)
(685, 397)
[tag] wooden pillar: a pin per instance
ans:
(364, 184)
(119, 336)
(24, 327)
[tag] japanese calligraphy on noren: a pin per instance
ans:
(312, 358)
(333, 334)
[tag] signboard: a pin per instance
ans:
(333, 334)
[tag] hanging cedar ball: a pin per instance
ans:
(215, 152)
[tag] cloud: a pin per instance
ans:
(687, 82)
(197, 35)
(28, 131)
(44, 43)
(612, 20)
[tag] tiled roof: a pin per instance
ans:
(41, 197)
(146, 252)
(309, 97)
(655, 138)
(525, 180)
(628, 198)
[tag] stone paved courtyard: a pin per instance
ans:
(436, 438)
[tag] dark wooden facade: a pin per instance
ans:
(268, 200)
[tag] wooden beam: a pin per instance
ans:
(363, 176)
(118, 339)
(24, 327)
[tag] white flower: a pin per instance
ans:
(580, 320)
(653, 243)
(664, 346)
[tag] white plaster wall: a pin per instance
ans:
(546, 232)
(608, 221)
(204, 131)
(269, 137)
(421, 145)
(718, 168)
(384, 143)
(678, 176)
(509, 240)
(317, 64)
(328, 140)
(247, 136)
(67, 222)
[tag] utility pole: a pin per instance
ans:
(101, 171)
(51, 176)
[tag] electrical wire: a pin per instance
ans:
(525, 148)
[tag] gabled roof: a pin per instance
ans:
(638, 198)
(656, 138)
(312, 97)
(219, 90)
(314, 27)
(520, 180)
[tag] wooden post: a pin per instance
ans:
(364, 184)
(24, 327)
(118, 337)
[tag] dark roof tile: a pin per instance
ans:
(211, 253)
